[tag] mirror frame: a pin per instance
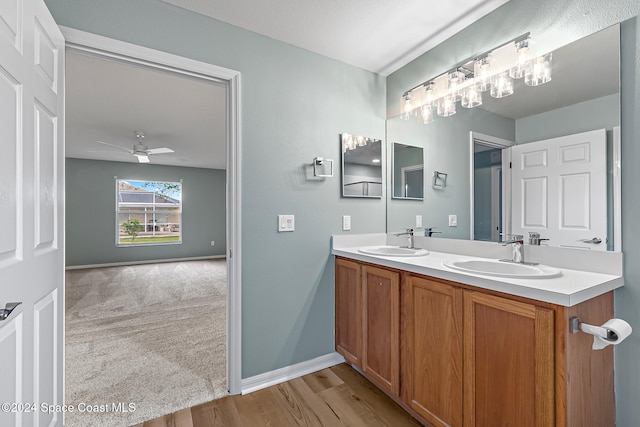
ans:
(381, 163)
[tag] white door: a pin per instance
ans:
(560, 190)
(31, 213)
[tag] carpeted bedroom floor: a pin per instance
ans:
(147, 337)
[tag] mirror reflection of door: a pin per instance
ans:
(488, 219)
(408, 172)
(487, 194)
(412, 182)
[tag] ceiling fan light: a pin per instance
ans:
(142, 158)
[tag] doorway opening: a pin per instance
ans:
(490, 187)
(100, 47)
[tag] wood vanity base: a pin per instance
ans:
(457, 355)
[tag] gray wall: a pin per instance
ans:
(446, 149)
(294, 106)
(91, 219)
(597, 113)
(554, 23)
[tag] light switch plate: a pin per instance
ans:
(418, 221)
(286, 223)
(346, 222)
(453, 220)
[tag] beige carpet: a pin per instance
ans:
(149, 335)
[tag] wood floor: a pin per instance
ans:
(338, 396)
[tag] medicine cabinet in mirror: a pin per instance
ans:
(361, 166)
(582, 96)
(407, 172)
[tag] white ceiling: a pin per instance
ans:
(379, 35)
(108, 100)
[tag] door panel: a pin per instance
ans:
(559, 189)
(10, 21)
(10, 181)
(31, 210)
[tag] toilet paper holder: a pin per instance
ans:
(575, 326)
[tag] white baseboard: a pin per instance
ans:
(287, 373)
(150, 261)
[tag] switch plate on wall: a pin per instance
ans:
(346, 222)
(418, 221)
(453, 220)
(286, 222)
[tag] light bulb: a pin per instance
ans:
(456, 79)
(539, 71)
(523, 57)
(427, 114)
(471, 97)
(481, 70)
(446, 106)
(407, 107)
(501, 85)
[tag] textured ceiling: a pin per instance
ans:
(379, 35)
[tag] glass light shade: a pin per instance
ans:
(481, 71)
(471, 97)
(407, 107)
(454, 82)
(501, 85)
(446, 106)
(427, 114)
(524, 55)
(428, 93)
(539, 71)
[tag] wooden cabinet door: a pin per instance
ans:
(509, 363)
(432, 350)
(348, 311)
(381, 347)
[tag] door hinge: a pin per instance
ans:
(510, 165)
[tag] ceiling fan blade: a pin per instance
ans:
(142, 158)
(163, 150)
(116, 146)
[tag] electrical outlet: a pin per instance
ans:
(213, 243)
(418, 221)
(453, 220)
(346, 222)
(286, 223)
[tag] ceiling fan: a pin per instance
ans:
(141, 151)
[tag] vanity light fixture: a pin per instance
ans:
(351, 142)
(491, 71)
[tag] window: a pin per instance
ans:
(148, 212)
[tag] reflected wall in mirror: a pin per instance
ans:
(361, 166)
(583, 95)
(407, 172)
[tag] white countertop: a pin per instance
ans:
(573, 287)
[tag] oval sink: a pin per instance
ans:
(504, 269)
(393, 251)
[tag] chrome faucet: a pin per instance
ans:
(429, 232)
(517, 248)
(534, 238)
(409, 234)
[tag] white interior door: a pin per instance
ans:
(559, 190)
(31, 213)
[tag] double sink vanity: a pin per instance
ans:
(459, 338)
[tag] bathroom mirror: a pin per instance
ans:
(407, 171)
(583, 95)
(361, 166)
